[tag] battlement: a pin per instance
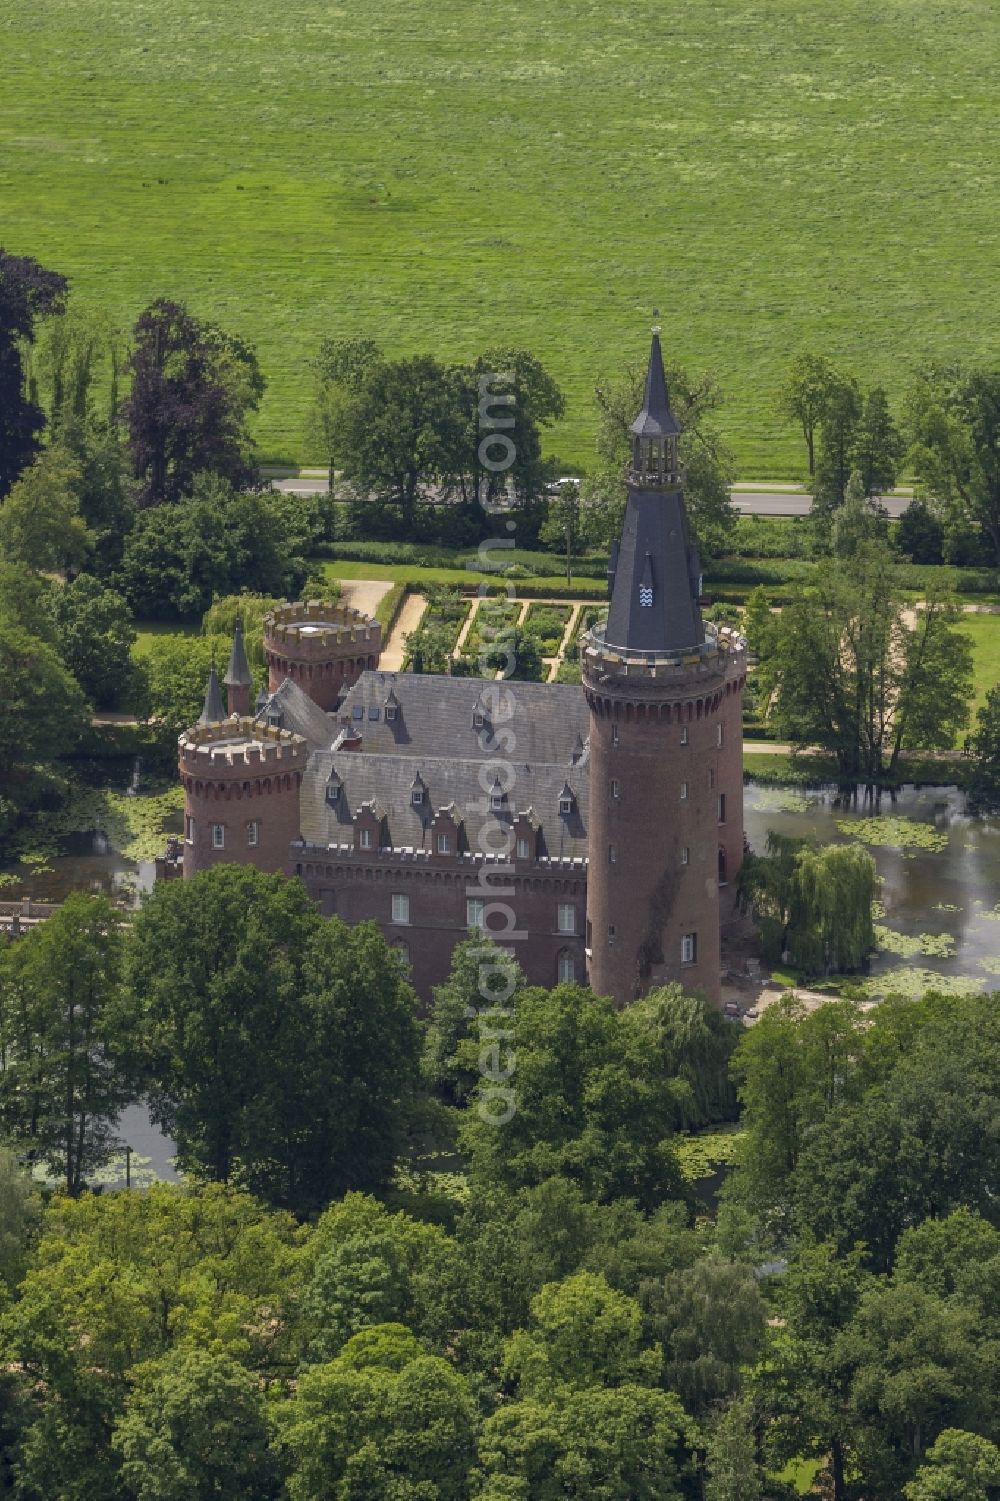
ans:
(239, 746)
(721, 654)
(315, 629)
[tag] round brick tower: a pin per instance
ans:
(666, 774)
(322, 647)
(241, 794)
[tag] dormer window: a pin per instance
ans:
(496, 802)
(333, 788)
(567, 800)
(478, 719)
(274, 718)
(390, 712)
(565, 805)
(417, 797)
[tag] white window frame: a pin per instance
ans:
(565, 806)
(686, 855)
(684, 792)
(253, 834)
(614, 734)
(523, 849)
(218, 836)
(566, 918)
(365, 839)
(689, 948)
(616, 787)
(401, 908)
(189, 829)
(475, 913)
(566, 968)
(444, 843)
(417, 796)
(496, 802)
(612, 854)
(684, 734)
(719, 735)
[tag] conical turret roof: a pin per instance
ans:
(656, 420)
(214, 711)
(238, 673)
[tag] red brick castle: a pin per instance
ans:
(594, 833)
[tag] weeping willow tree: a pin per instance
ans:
(694, 1043)
(812, 903)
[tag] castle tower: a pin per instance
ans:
(241, 790)
(238, 678)
(666, 773)
(322, 647)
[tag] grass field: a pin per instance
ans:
(772, 175)
(985, 633)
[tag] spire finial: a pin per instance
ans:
(656, 322)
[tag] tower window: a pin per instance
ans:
(722, 807)
(218, 836)
(475, 913)
(689, 948)
(567, 917)
(722, 867)
(252, 835)
(189, 827)
(684, 734)
(719, 735)
(614, 734)
(711, 776)
(612, 854)
(523, 849)
(686, 855)
(566, 970)
(684, 791)
(616, 787)
(611, 935)
(400, 909)
(365, 839)
(443, 844)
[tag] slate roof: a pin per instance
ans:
(214, 711)
(238, 673)
(548, 722)
(388, 780)
(300, 714)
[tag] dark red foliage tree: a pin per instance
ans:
(192, 387)
(27, 292)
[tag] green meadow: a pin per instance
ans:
(773, 176)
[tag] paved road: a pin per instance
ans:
(776, 502)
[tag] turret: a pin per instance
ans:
(241, 794)
(666, 787)
(323, 647)
(238, 679)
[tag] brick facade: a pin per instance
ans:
(322, 647)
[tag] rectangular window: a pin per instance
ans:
(567, 917)
(685, 856)
(614, 734)
(711, 776)
(523, 849)
(684, 734)
(366, 839)
(612, 854)
(611, 934)
(189, 827)
(616, 788)
(722, 807)
(444, 844)
(718, 735)
(689, 948)
(218, 836)
(400, 908)
(252, 835)
(567, 968)
(475, 913)
(684, 791)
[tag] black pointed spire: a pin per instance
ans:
(654, 590)
(238, 673)
(213, 712)
(656, 420)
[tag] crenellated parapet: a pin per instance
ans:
(241, 794)
(322, 646)
(228, 752)
(677, 686)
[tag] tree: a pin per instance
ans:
(757, 621)
(859, 521)
(40, 522)
(194, 1429)
(694, 1043)
(731, 1458)
(339, 367)
(481, 972)
(837, 435)
(67, 1046)
(513, 652)
(566, 524)
(582, 1333)
(920, 534)
(171, 678)
(591, 1102)
(954, 426)
(28, 293)
(284, 1045)
(710, 1319)
(45, 716)
(627, 1443)
(810, 380)
(193, 387)
(177, 559)
(95, 636)
(813, 905)
(708, 464)
(959, 1467)
(78, 350)
(507, 398)
(19, 1213)
(852, 672)
(382, 1420)
(983, 746)
(878, 445)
